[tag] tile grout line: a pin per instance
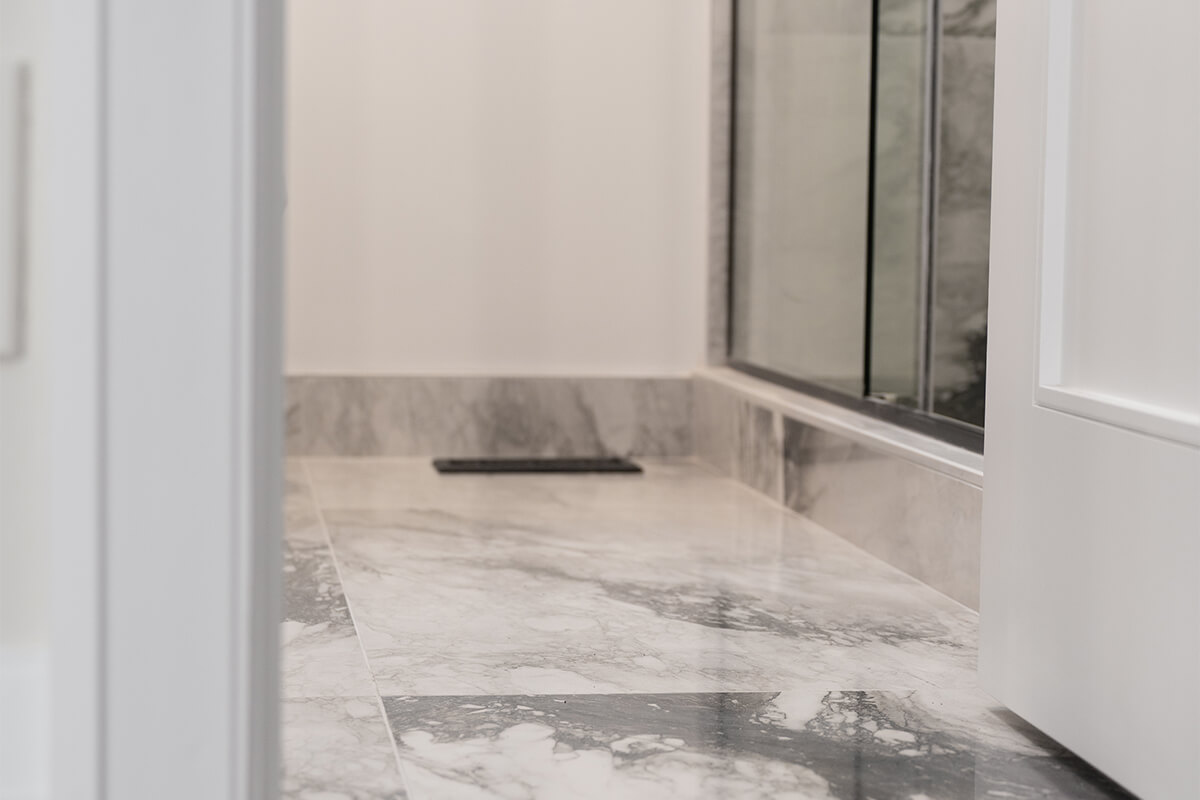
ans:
(337, 570)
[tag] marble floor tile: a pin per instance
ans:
(413, 483)
(321, 653)
(338, 749)
(669, 635)
(651, 599)
(794, 744)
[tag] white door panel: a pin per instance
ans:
(1118, 286)
(1091, 562)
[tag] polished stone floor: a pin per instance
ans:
(670, 635)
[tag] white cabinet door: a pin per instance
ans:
(1091, 560)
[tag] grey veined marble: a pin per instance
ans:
(321, 653)
(789, 744)
(666, 635)
(481, 416)
(708, 596)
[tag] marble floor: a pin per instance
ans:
(669, 635)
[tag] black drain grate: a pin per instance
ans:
(454, 466)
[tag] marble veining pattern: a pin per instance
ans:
(969, 18)
(665, 635)
(759, 440)
(338, 749)
(600, 612)
(483, 416)
(321, 653)
(923, 522)
(322, 656)
(793, 744)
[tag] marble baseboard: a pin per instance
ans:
(486, 416)
(927, 524)
(925, 521)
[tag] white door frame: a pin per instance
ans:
(163, 223)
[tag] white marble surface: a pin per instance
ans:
(605, 609)
(657, 636)
(758, 462)
(926, 523)
(322, 656)
(677, 580)
(808, 745)
(714, 425)
(338, 749)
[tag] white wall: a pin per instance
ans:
(482, 187)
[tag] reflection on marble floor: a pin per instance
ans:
(634, 600)
(665, 635)
(798, 744)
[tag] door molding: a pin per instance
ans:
(163, 231)
(1051, 389)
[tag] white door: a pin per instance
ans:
(1091, 560)
(140, 399)
(26, 422)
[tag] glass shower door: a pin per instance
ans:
(901, 178)
(861, 203)
(802, 130)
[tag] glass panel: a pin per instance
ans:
(800, 188)
(901, 187)
(964, 188)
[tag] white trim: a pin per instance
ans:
(1050, 389)
(193, 386)
(71, 89)
(875, 434)
(1055, 182)
(1134, 415)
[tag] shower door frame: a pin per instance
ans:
(921, 418)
